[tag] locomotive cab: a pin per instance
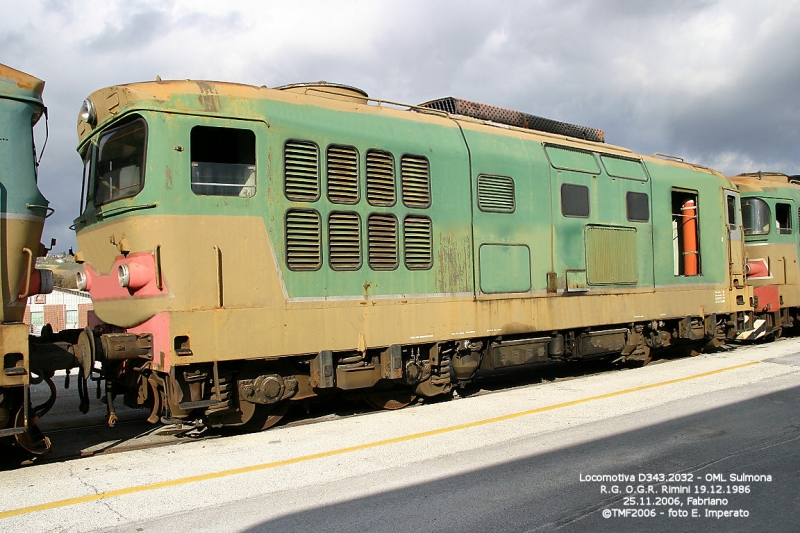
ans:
(770, 211)
(24, 210)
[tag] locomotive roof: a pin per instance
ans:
(760, 181)
(198, 96)
(764, 176)
(209, 96)
(19, 85)
(111, 101)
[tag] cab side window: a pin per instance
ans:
(783, 218)
(223, 161)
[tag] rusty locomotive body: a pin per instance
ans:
(771, 212)
(23, 213)
(23, 209)
(248, 247)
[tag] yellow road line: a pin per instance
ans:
(342, 451)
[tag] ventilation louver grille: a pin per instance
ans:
(496, 194)
(418, 242)
(301, 171)
(382, 235)
(456, 106)
(416, 181)
(344, 239)
(303, 242)
(380, 178)
(611, 255)
(342, 164)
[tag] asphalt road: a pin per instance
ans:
(609, 452)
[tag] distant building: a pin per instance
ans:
(62, 309)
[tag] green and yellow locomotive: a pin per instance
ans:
(771, 211)
(23, 210)
(247, 247)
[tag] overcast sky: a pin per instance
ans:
(714, 82)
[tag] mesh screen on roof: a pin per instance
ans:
(500, 115)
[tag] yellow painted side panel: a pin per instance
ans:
(257, 320)
(14, 340)
(15, 235)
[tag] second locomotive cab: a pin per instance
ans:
(771, 211)
(249, 247)
(26, 360)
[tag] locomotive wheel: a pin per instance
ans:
(265, 416)
(774, 335)
(33, 441)
(390, 399)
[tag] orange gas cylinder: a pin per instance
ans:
(689, 234)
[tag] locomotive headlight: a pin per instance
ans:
(134, 276)
(124, 275)
(88, 113)
(82, 281)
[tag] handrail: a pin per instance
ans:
(45, 207)
(25, 294)
(125, 209)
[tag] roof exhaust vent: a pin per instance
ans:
(457, 106)
(324, 89)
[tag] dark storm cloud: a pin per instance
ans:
(635, 69)
(135, 29)
(757, 113)
(542, 57)
(131, 31)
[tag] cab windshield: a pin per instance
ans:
(118, 171)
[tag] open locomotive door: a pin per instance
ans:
(735, 240)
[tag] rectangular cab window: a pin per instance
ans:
(574, 200)
(638, 206)
(223, 161)
(730, 202)
(783, 218)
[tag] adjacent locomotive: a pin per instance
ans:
(23, 210)
(247, 247)
(771, 212)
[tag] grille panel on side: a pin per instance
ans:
(382, 241)
(380, 178)
(611, 255)
(342, 171)
(496, 194)
(418, 242)
(344, 240)
(415, 178)
(303, 240)
(301, 171)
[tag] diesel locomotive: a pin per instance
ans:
(770, 216)
(249, 247)
(22, 213)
